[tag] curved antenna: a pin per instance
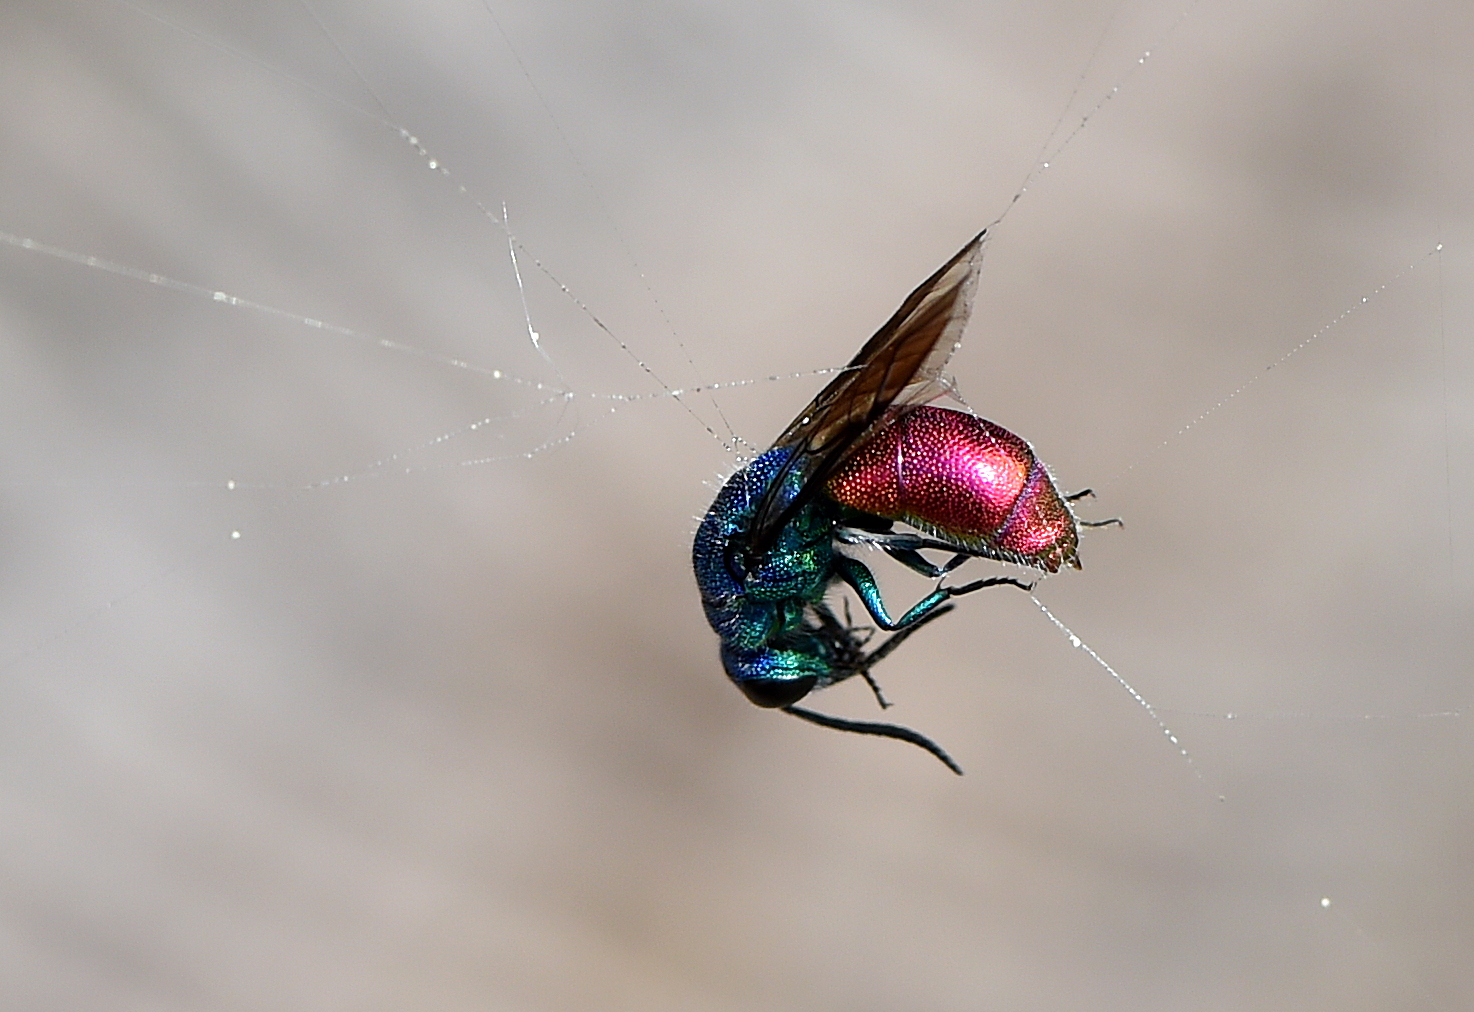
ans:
(879, 730)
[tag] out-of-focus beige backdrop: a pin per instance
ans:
(453, 735)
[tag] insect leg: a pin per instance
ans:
(855, 573)
(848, 645)
(906, 549)
(992, 581)
(862, 581)
(1089, 493)
(879, 653)
(891, 539)
(915, 561)
(856, 662)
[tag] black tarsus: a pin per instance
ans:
(885, 704)
(1089, 493)
(992, 581)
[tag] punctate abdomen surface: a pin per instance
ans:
(963, 479)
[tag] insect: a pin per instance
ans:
(870, 451)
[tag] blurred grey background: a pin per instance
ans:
(452, 733)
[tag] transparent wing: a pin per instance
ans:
(901, 364)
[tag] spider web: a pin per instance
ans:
(460, 731)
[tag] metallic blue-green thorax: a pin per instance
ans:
(773, 645)
(779, 640)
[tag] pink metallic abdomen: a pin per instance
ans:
(962, 479)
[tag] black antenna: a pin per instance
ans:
(879, 730)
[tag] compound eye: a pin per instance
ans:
(774, 692)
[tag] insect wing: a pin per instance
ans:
(902, 364)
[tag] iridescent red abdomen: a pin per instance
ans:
(961, 479)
